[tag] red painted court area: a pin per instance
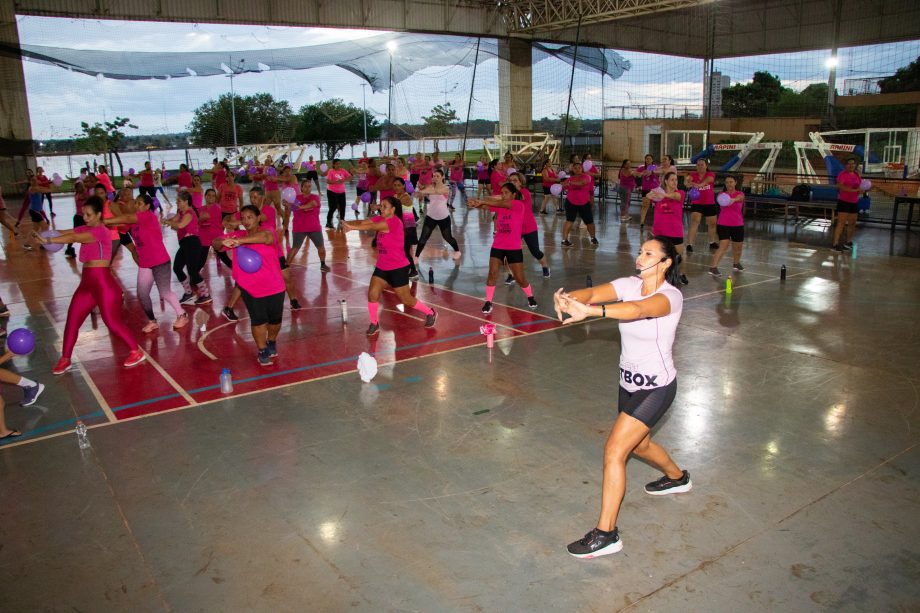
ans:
(185, 366)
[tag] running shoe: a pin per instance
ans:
(531, 302)
(203, 300)
(546, 272)
(566, 243)
(295, 306)
(181, 321)
(684, 280)
(63, 365)
(413, 274)
(509, 280)
(272, 348)
(836, 248)
(594, 242)
(264, 358)
(31, 394)
(324, 268)
(330, 226)
(70, 253)
(431, 318)
(666, 485)
(4, 311)
(487, 307)
(595, 544)
(134, 358)
(151, 326)
(689, 248)
(187, 298)
(737, 266)
(715, 272)
(713, 246)
(372, 329)
(848, 245)
(229, 315)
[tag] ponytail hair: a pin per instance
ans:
(515, 192)
(397, 206)
(672, 274)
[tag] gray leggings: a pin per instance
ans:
(159, 274)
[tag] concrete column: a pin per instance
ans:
(515, 89)
(15, 128)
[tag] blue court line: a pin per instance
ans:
(45, 428)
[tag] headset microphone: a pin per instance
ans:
(651, 266)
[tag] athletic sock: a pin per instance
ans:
(372, 311)
(490, 292)
(420, 306)
(528, 291)
(23, 382)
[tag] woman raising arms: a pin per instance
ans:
(648, 306)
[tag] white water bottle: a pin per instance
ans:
(344, 306)
(226, 381)
(82, 438)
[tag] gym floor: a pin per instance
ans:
(454, 480)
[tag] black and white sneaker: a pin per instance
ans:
(509, 280)
(546, 272)
(531, 302)
(228, 314)
(594, 242)
(203, 300)
(737, 266)
(187, 298)
(713, 246)
(595, 544)
(430, 319)
(372, 329)
(848, 245)
(31, 394)
(689, 248)
(715, 272)
(666, 485)
(272, 348)
(566, 243)
(487, 307)
(413, 274)
(837, 248)
(295, 305)
(264, 357)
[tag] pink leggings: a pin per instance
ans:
(97, 288)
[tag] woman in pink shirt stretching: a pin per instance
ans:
(704, 205)
(669, 216)
(730, 228)
(392, 265)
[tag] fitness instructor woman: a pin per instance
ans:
(648, 306)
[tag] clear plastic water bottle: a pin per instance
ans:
(226, 381)
(344, 306)
(82, 438)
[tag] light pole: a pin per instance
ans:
(391, 47)
(364, 106)
(232, 72)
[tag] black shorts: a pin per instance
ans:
(847, 207)
(546, 190)
(413, 178)
(410, 236)
(706, 210)
(573, 211)
(35, 216)
(398, 277)
(283, 262)
(512, 256)
(645, 192)
(483, 181)
(265, 310)
(675, 240)
(299, 237)
(312, 176)
(734, 234)
(648, 405)
(124, 239)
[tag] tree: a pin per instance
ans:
(906, 79)
(753, 99)
(810, 102)
(568, 124)
(259, 119)
(438, 123)
(104, 138)
(331, 125)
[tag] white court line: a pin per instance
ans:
(722, 291)
(181, 390)
(89, 381)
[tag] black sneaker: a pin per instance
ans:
(264, 357)
(31, 394)
(295, 305)
(594, 242)
(684, 280)
(531, 302)
(4, 311)
(595, 544)
(837, 248)
(187, 298)
(666, 485)
(487, 307)
(566, 243)
(430, 319)
(203, 300)
(324, 268)
(70, 253)
(848, 245)
(509, 280)
(229, 315)
(546, 272)
(689, 248)
(715, 272)
(272, 348)
(713, 246)
(738, 266)
(413, 274)
(372, 329)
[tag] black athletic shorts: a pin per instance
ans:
(734, 234)
(675, 240)
(483, 181)
(312, 176)
(847, 207)
(124, 239)
(573, 211)
(265, 310)
(706, 210)
(283, 262)
(410, 236)
(512, 256)
(647, 405)
(35, 216)
(398, 277)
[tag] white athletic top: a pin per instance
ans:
(437, 207)
(646, 361)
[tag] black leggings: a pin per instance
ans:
(429, 226)
(532, 240)
(188, 257)
(221, 255)
(50, 203)
(336, 203)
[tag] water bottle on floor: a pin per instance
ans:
(589, 282)
(226, 381)
(82, 438)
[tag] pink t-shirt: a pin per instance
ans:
(482, 174)
(270, 183)
(650, 182)
(528, 223)
(218, 178)
(146, 178)
(707, 195)
(390, 253)
(849, 179)
(549, 177)
(230, 198)
(733, 214)
(100, 248)
(267, 281)
(669, 217)
(148, 237)
(646, 361)
(185, 179)
(497, 180)
(210, 228)
(306, 221)
(424, 177)
(627, 180)
(104, 179)
(508, 224)
(271, 223)
(191, 229)
(197, 199)
(336, 175)
(456, 172)
(580, 188)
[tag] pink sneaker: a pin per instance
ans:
(151, 326)
(134, 358)
(181, 321)
(63, 365)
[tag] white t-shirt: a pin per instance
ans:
(437, 207)
(646, 361)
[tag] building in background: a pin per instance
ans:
(720, 82)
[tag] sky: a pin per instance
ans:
(59, 100)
